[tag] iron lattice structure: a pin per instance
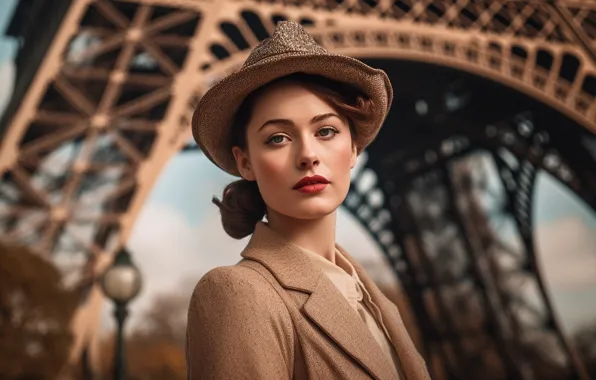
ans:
(104, 96)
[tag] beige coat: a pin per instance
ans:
(274, 315)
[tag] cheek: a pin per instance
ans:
(341, 157)
(341, 167)
(269, 170)
(346, 156)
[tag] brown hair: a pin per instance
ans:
(242, 205)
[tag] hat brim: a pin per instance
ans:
(214, 114)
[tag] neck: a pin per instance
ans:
(316, 235)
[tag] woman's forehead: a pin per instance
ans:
(289, 99)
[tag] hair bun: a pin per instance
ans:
(241, 208)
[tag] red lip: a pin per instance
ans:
(315, 179)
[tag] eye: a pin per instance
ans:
(276, 139)
(327, 132)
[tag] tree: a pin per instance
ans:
(166, 319)
(585, 342)
(35, 314)
(148, 358)
(155, 349)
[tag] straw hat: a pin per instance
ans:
(289, 50)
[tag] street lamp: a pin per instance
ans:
(121, 282)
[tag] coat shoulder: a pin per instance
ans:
(234, 286)
(238, 328)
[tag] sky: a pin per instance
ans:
(178, 235)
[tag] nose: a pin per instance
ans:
(307, 157)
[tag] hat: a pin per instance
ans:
(289, 50)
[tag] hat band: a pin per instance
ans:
(249, 63)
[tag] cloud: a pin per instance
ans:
(187, 184)
(567, 253)
(555, 201)
(7, 77)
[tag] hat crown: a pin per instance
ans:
(289, 36)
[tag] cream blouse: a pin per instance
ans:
(344, 277)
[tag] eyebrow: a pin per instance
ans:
(288, 122)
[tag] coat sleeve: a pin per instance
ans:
(238, 328)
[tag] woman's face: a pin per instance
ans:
(293, 134)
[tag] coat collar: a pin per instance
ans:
(292, 268)
(325, 306)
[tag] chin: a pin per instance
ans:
(307, 208)
(312, 209)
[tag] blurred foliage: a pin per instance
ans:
(585, 343)
(148, 358)
(155, 349)
(166, 318)
(35, 315)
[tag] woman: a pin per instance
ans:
(291, 123)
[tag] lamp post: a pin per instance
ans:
(121, 282)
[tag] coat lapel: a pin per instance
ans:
(411, 362)
(325, 306)
(328, 308)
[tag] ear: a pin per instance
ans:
(354, 156)
(243, 163)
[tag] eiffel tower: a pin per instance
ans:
(103, 99)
